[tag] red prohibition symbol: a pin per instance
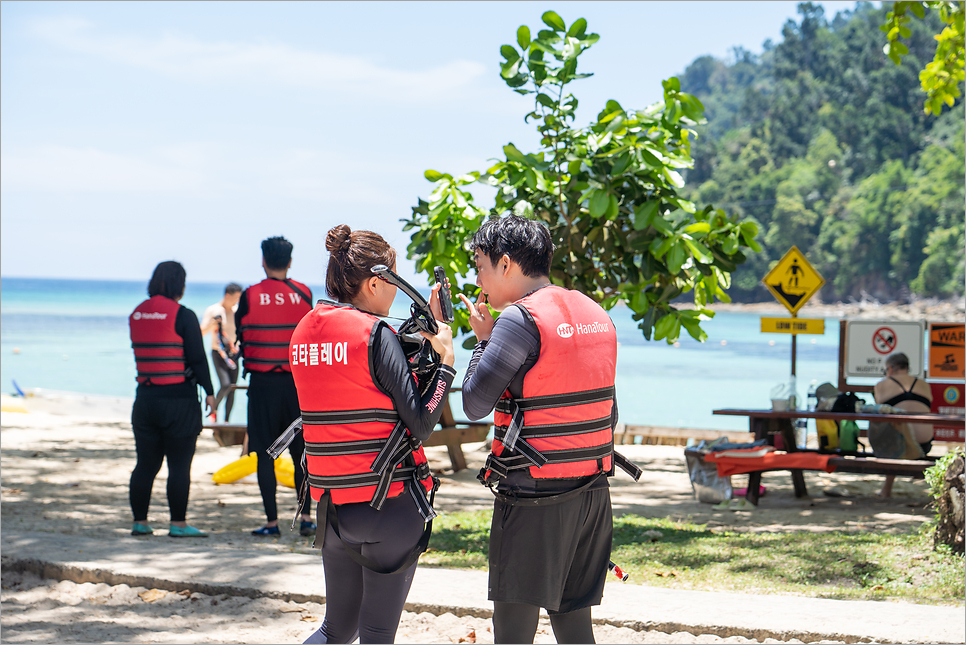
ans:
(884, 340)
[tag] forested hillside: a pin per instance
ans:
(823, 140)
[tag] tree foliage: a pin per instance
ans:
(823, 142)
(609, 192)
(942, 76)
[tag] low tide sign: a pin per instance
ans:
(793, 325)
(868, 343)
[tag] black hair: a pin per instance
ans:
(232, 288)
(167, 280)
(277, 252)
(527, 242)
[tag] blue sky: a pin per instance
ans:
(139, 132)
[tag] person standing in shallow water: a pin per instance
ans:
(266, 316)
(358, 396)
(166, 418)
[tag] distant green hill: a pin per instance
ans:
(823, 140)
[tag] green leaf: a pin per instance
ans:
(676, 258)
(552, 20)
(523, 37)
(698, 227)
(512, 154)
(599, 203)
(545, 101)
(433, 175)
(510, 53)
(699, 250)
(917, 9)
(664, 326)
(644, 213)
(578, 28)
(612, 207)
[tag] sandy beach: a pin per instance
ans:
(65, 468)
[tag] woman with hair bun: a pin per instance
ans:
(364, 417)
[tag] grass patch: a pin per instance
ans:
(665, 553)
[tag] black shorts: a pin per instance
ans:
(554, 556)
(273, 404)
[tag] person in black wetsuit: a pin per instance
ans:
(906, 392)
(555, 555)
(354, 383)
(166, 417)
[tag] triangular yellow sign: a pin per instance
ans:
(793, 280)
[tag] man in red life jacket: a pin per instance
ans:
(267, 314)
(547, 367)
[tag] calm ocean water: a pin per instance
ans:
(73, 335)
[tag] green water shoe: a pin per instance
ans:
(185, 531)
(141, 529)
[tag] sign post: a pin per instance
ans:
(793, 281)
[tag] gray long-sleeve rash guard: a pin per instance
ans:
(498, 365)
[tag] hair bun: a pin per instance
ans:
(338, 239)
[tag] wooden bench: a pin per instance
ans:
(767, 424)
(227, 434)
(624, 434)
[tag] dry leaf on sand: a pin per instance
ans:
(152, 594)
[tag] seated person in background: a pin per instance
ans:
(906, 392)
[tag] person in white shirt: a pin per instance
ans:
(219, 321)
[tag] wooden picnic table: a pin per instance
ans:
(453, 433)
(765, 424)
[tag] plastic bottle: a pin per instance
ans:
(812, 405)
(812, 396)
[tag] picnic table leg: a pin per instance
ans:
(456, 457)
(754, 484)
(798, 480)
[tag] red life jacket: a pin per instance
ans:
(273, 310)
(561, 427)
(158, 349)
(356, 447)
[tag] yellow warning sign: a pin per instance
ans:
(793, 280)
(793, 325)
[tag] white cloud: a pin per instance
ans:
(62, 168)
(198, 168)
(193, 60)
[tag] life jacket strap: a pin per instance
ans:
(285, 439)
(258, 343)
(508, 405)
(628, 466)
(157, 346)
(248, 326)
(345, 417)
(555, 429)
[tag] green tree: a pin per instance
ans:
(610, 194)
(942, 76)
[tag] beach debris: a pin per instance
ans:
(666, 574)
(308, 618)
(291, 610)
(71, 485)
(152, 595)
(652, 535)
(469, 638)
(836, 491)
(185, 592)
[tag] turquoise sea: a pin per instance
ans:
(73, 335)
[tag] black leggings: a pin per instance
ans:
(515, 622)
(226, 376)
(164, 429)
(359, 602)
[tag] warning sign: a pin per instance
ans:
(793, 280)
(946, 350)
(868, 343)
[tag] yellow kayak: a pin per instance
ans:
(284, 470)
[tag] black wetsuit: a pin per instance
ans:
(359, 602)
(552, 556)
(166, 421)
